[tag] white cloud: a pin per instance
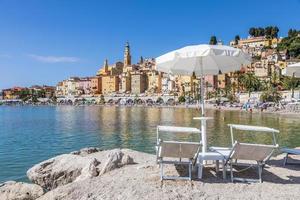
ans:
(53, 59)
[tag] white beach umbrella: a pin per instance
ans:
(202, 60)
(292, 70)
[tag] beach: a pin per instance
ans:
(139, 179)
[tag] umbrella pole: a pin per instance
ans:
(202, 96)
(203, 120)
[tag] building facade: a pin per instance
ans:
(138, 83)
(110, 84)
(96, 85)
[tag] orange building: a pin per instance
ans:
(96, 83)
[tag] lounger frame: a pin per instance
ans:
(176, 159)
(232, 161)
(259, 163)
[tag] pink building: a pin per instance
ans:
(84, 86)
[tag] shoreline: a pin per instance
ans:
(192, 106)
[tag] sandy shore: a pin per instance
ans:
(141, 181)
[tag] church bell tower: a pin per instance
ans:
(127, 56)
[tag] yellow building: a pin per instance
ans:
(154, 82)
(222, 81)
(186, 84)
(115, 69)
(255, 42)
(110, 84)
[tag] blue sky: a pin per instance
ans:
(45, 41)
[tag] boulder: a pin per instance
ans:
(116, 159)
(127, 160)
(68, 168)
(12, 190)
(113, 161)
(62, 170)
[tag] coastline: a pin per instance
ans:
(190, 106)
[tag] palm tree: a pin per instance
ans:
(290, 83)
(250, 82)
(275, 79)
(264, 85)
(239, 80)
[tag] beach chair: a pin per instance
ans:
(258, 153)
(176, 152)
(289, 152)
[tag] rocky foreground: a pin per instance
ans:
(127, 174)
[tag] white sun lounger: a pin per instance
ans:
(259, 153)
(175, 152)
(289, 152)
(184, 153)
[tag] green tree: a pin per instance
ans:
(238, 75)
(236, 39)
(275, 79)
(213, 40)
(24, 94)
(294, 48)
(250, 82)
(272, 95)
(259, 32)
(264, 85)
(268, 31)
(252, 31)
(290, 83)
(274, 32)
(271, 32)
(291, 43)
(181, 99)
(292, 33)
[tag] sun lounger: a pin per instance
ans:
(185, 152)
(175, 152)
(289, 152)
(258, 153)
(250, 152)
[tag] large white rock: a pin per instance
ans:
(12, 190)
(142, 181)
(84, 164)
(62, 170)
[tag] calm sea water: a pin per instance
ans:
(29, 135)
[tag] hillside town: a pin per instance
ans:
(270, 55)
